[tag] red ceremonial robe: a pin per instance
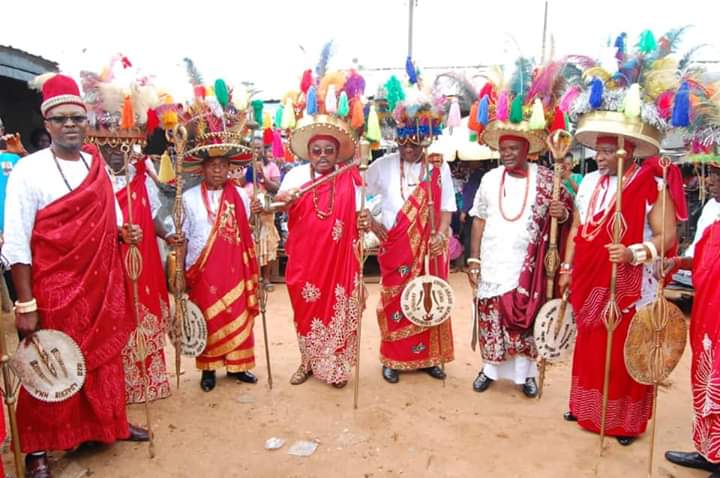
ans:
(79, 283)
(322, 276)
(153, 296)
(629, 403)
(223, 283)
(704, 342)
(404, 345)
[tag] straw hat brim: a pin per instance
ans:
(612, 123)
(497, 129)
(311, 126)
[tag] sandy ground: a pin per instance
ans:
(415, 428)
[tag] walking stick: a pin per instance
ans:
(11, 384)
(262, 294)
(134, 266)
(433, 231)
(177, 140)
(558, 143)
(362, 166)
(611, 314)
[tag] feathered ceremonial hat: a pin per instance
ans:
(525, 105)
(121, 106)
(329, 103)
(637, 95)
(217, 121)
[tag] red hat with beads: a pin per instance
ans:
(58, 90)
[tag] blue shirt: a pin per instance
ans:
(7, 162)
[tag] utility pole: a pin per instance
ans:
(411, 7)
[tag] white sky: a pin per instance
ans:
(260, 41)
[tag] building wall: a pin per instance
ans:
(19, 108)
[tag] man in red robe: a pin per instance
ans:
(222, 272)
(62, 241)
(704, 341)
(588, 259)
(322, 273)
(152, 290)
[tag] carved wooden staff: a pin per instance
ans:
(611, 314)
(364, 149)
(134, 266)
(177, 140)
(262, 294)
(433, 230)
(558, 143)
(11, 384)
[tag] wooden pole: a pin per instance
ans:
(363, 166)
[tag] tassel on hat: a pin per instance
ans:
(267, 136)
(537, 117)
(331, 100)
(373, 126)
(558, 121)
(631, 103)
(665, 104)
(221, 92)
(279, 116)
(166, 174)
(127, 120)
(153, 122)
(267, 120)
(311, 101)
(277, 145)
(503, 107)
(454, 117)
(357, 119)
(647, 42)
(343, 108)
(681, 107)
(257, 106)
(473, 123)
(288, 115)
(306, 81)
(483, 111)
(516, 110)
(596, 93)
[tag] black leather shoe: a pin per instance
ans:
(390, 375)
(625, 441)
(435, 372)
(569, 417)
(530, 388)
(207, 381)
(482, 382)
(247, 377)
(691, 459)
(37, 466)
(137, 434)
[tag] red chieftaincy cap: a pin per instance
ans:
(60, 90)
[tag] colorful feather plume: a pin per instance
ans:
(354, 85)
(520, 81)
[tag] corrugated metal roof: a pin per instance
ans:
(21, 65)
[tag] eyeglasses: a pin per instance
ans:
(318, 151)
(61, 120)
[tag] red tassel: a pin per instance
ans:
(126, 62)
(306, 81)
(358, 115)
(489, 90)
(153, 122)
(473, 124)
(199, 91)
(558, 121)
(267, 136)
(665, 104)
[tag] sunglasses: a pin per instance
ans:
(61, 120)
(318, 151)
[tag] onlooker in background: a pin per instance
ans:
(39, 139)
(571, 180)
(469, 189)
(9, 145)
